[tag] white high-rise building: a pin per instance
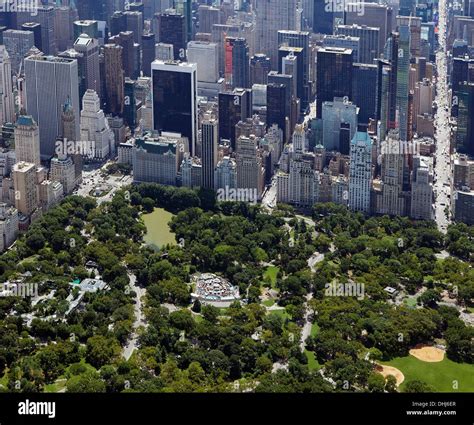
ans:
(299, 139)
(8, 226)
(50, 82)
(95, 127)
(63, 171)
(7, 102)
(225, 175)
(272, 16)
(27, 140)
(393, 164)
(24, 183)
(303, 181)
(360, 172)
(206, 56)
(250, 173)
(422, 188)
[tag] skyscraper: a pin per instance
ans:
(27, 141)
(148, 53)
(50, 82)
(403, 68)
(334, 75)
(175, 98)
(7, 102)
(35, 28)
(18, 43)
(422, 189)
(323, 17)
(465, 132)
(45, 18)
(364, 78)
(272, 16)
(369, 40)
(360, 172)
(95, 128)
(114, 79)
(338, 115)
(89, 48)
(172, 30)
(234, 106)
(260, 66)
(24, 183)
(210, 140)
(276, 107)
(250, 173)
(240, 64)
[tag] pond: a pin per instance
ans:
(158, 232)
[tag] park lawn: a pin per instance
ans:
(313, 363)
(314, 329)
(410, 302)
(4, 380)
(268, 303)
(439, 375)
(272, 272)
(280, 312)
(56, 386)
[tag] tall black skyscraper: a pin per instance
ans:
(334, 75)
(260, 66)
(92, 9)
(463, 70)
(148, 53)
(364, 90)
(172, 30)
(240, 63)
(323, 21)
(276, 100)
(465, 132)
(234, 106)
(175, 99)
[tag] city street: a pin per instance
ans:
(92, 179)
(442, 185)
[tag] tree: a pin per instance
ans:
(417, 386)
(148, 204)
(376, 383)
(88, 382)
(196, 306)
(429, 298)
(101, 350)
(391, 384)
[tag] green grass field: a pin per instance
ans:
(268, 303)
(440, 376)
(58, 385)
(281, 312)
(271, 273)
(312, 362)
(314, 329)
